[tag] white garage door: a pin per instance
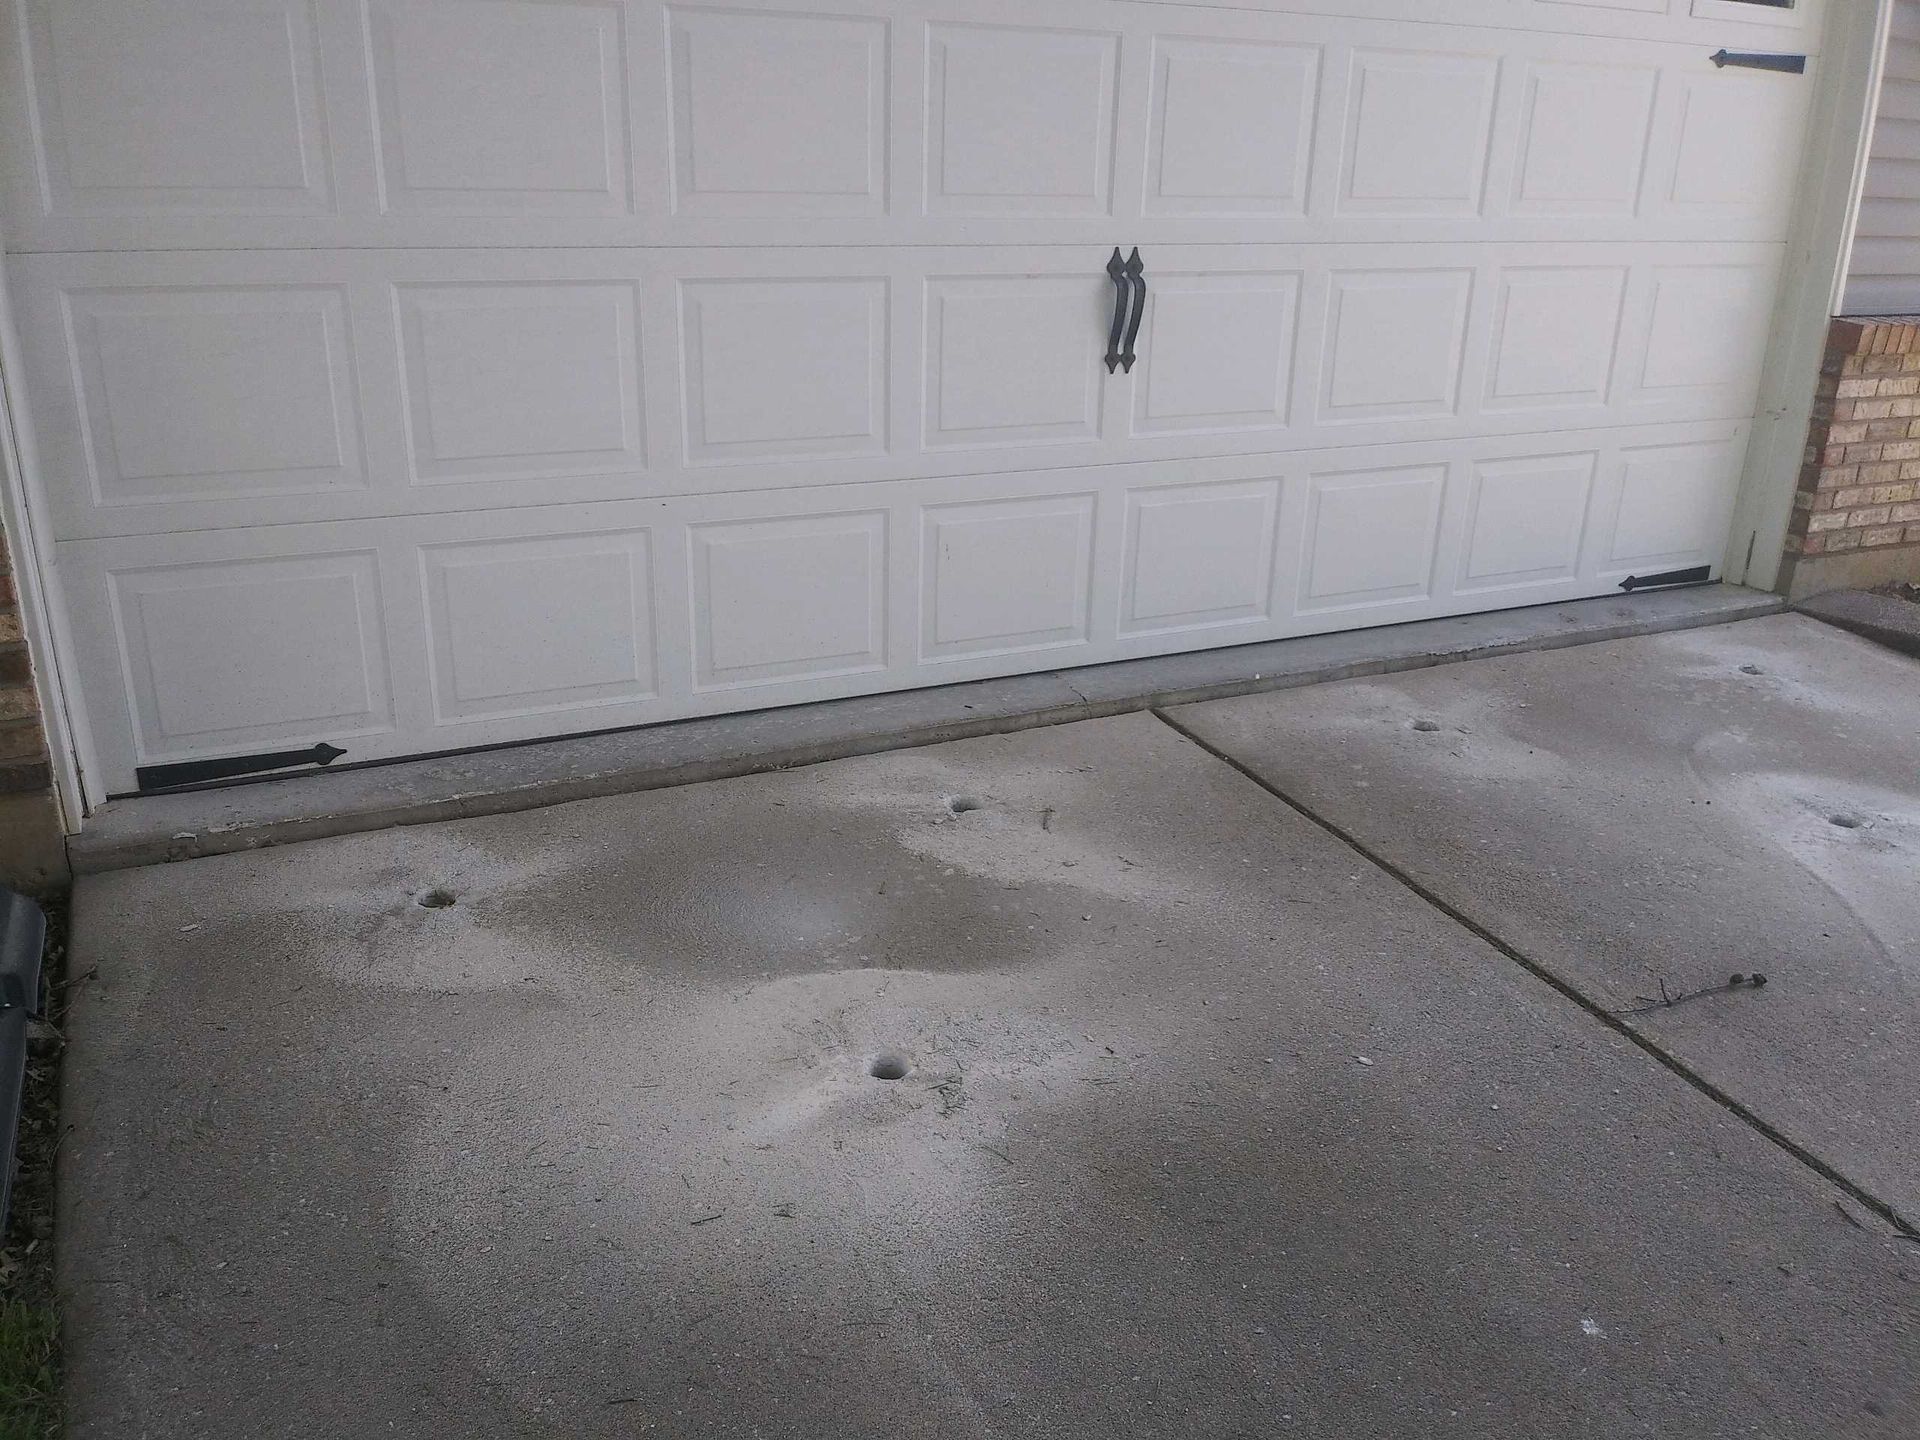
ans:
(418, 374)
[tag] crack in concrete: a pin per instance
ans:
(1755, 1121)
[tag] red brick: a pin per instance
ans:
(1882, 535)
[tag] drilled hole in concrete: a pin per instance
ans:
(1426, 727)
(438, 898)
(889, 1067)
(1751, 670)
(1847, 820)
(963, 804)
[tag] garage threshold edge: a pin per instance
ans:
(153, 829)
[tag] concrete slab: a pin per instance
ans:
(151, 829)
(1210, 1128)
(1886, 619)
(1668, 810)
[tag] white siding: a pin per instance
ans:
(1885, 275)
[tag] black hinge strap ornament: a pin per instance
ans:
(226, 767)
(1789, 64)
(1136, 272)
(1697, 575)
(1117, 272)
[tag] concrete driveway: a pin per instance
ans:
(1270, 1091)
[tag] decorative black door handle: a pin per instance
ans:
(1117, 271)
(1790, 64)
(1136, 272)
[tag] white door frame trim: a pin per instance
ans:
(1833, 174)
(42, 619)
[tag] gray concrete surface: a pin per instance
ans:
(1885, 619)
(1667, 810)
(151, 829)
(1212, 1128)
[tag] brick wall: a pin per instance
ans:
(1856, 517)
(32, 840)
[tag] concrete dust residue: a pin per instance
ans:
(1862, 842)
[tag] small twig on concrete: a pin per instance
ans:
(1046, 818)
(707, 1219)
(1666, 1001)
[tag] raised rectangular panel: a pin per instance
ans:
(556, 622)
(1001, 576)
(1658, 7)
(1217, 352)
(1674, 501)
(1371, 536)
(1198, 556)
(222, 654)
(784, 369)
(1525, 518)
(520, 379)
(177, 105)
(196, 393)
(1395, 342)
(491, 107)
(802, 597)
(1739, 143)
(1708, 329)
(1232, 127)
(1554, 334)
(1014, 359)
(1584, 132)
(777, 114)
(1418, 129)
(1020, 122)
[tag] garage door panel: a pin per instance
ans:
(1395, 343)
(1735, 147)
(301, 123)
(1585, 130)
(213, 391)
(1669, 505)
(545, 134)
(1219, 352)
(796, 598)
(1020, 120)
(1526, 518)
(1012, 360)
(312, 387)
(1232, 127)
(1419, 125)
(540, 624)
(779, 369)
(419, 374)
(167, 105)
(391, 636)
(520, 379)
(1199, 557)
(1555, 334)
(219, 653)
(1700, 336)
(778, 115)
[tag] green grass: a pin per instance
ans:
(29, 1370)
(30, 1406)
